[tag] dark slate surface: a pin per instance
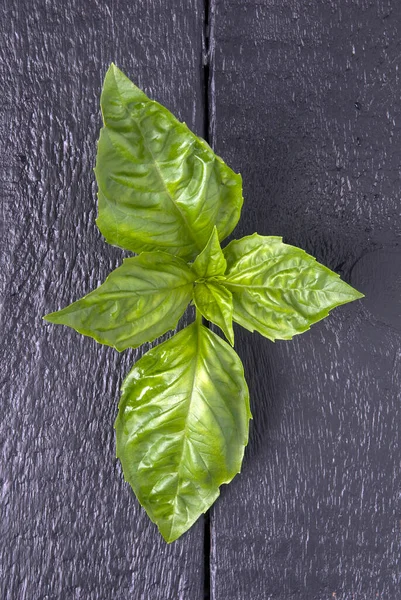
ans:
(307, 108)
(70, 527)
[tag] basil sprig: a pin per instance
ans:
(182, 424)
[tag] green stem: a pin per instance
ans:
(198, 320)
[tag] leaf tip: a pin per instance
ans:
(167, 533)
(230, 336)
(51, 317)
(166, 538)
(352, 293)
(113, 69)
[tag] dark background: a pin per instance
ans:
(304, 99)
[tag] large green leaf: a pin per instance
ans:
(215, 303)
(279, 290)
(137, 303)
(210, 262)
(160, 186)
(182, 426)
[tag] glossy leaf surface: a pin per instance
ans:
(160, 186)
(137, 303)
(215, 303)
(279, 290)
(182, 426)
(211, 261)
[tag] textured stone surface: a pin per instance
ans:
(307, 108)
(70, 526)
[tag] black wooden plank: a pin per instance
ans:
(71, 528)
(307, 108)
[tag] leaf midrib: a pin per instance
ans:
(185, 440)
(248, 287)
(174, 203)
(274, 259)
(176, 206)
(128, 293)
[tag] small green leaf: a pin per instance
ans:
(279, 290)
(182, 426)
(210, 262)
(160, 186)
(215, 303)
(137, 303)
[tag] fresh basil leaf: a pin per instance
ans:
(215, 303)
(160, 186)
(210, 262)
(137, 303)
(182, 426)
(279, 290)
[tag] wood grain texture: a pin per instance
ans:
(70, 527)
(306, 106)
